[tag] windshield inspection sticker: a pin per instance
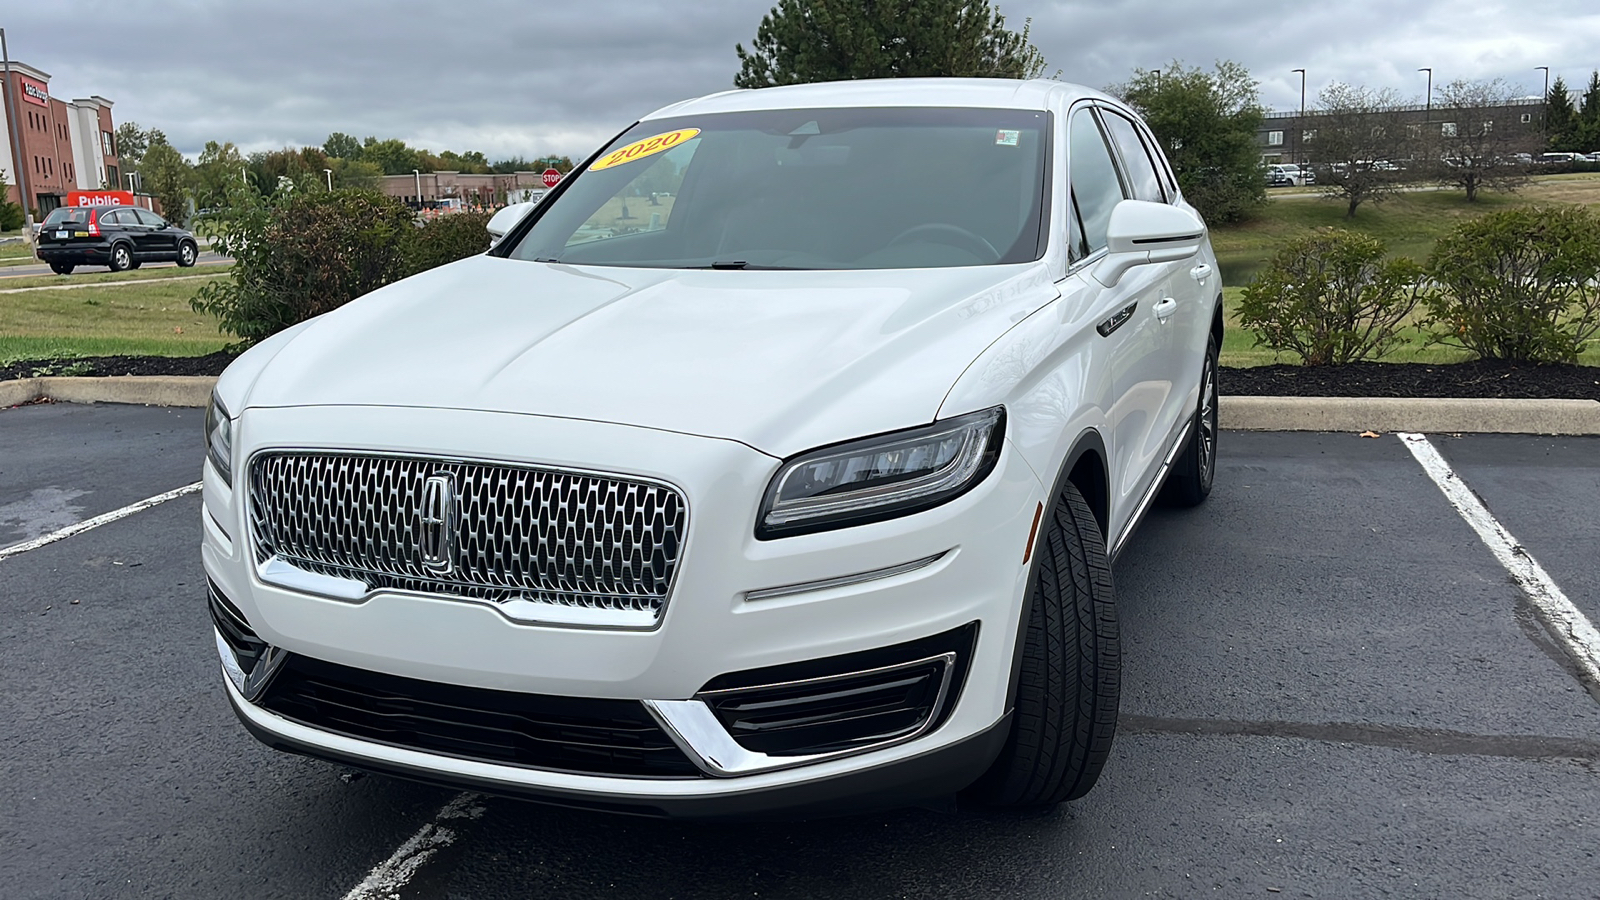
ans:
(647, 147)
(1006, 138)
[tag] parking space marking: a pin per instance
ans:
(387, 879)
(97, 521)
(1570, 628)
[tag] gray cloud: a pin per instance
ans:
(532, 78)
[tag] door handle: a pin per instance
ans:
(1165, 308)
(1200, 273)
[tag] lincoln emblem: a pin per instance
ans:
(438, 532)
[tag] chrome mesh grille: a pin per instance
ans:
(550, 536)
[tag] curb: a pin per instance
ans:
(148, 390)
(1336, 414)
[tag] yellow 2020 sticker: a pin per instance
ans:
(641, 149)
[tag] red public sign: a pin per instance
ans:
(99, 198)
(551, 178)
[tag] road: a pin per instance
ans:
(1332, 689)
(33, 270)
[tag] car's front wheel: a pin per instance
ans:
(1189, 483)
(121, 258)
(1070, 677)
(186, 254)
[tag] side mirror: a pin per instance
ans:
(506, 219)
(1142, 232)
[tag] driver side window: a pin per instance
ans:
(1096, 189)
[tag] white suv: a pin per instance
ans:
(794, 488)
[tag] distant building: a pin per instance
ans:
(432, 189)
(59, 146)
(1289, 137)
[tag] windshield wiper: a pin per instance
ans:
(737, 264)
(729, 264)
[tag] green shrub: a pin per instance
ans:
(1521, 284)
(1331, 298)
(301, 254)
(449, 238)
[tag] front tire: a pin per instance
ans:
(1071, 670)
(186, 255)
(1189, 483)
(121, 258)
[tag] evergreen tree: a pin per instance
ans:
(1560, 118)
(1206, 122)
(802, 41)
(1588, 130)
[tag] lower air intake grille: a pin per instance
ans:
(568, 734)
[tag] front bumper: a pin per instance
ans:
(723, 616)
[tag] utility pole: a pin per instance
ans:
(1544, 106)
(16, 144)
(1300, 123)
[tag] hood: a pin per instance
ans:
(781, 361)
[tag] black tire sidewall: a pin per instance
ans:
(187, 251)
(121, 258)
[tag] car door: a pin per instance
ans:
(1181, 311)
(124, 224)
(1129, 333)
(163, 238)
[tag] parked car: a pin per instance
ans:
(1284, 174)
(802, 498)
(119, 237)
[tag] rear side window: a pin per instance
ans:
(115, 217)
(1140, 168)
(1095, 186)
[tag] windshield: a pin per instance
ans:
(806, 189)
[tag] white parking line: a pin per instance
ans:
(394, 873)
(1570, 628)
(97, 521)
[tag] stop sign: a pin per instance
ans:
(551, 178)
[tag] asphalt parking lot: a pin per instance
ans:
(1332, 689)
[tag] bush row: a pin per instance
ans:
(1522, 284)
(304, 253)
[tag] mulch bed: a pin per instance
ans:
(1483, 378)
(1470, 379)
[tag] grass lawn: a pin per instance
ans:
(1408, 223)
(144, 319)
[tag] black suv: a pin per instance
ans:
(120, 237)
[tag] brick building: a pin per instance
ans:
(59, 146)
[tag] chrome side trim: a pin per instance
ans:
(823, 584)
(699, 734)
(1151, 491)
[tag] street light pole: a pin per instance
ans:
(1157, 73)
(1544, 115)
(1300, 124)
(329, 173)
(417, 174)
(1427, 115)
(8, 108)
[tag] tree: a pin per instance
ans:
(392, 156)
(11, 217)
(357, 173)
(801, 41)
(1206, 122)
(342, 146)
(132, 144)
(1477, 150)
(1587, 133)
(1359, 134)
(220, 166)
(1560, 118)
(166, 175)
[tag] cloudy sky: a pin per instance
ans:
(537, 77)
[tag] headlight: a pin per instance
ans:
(219, 439)
(881, 477)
